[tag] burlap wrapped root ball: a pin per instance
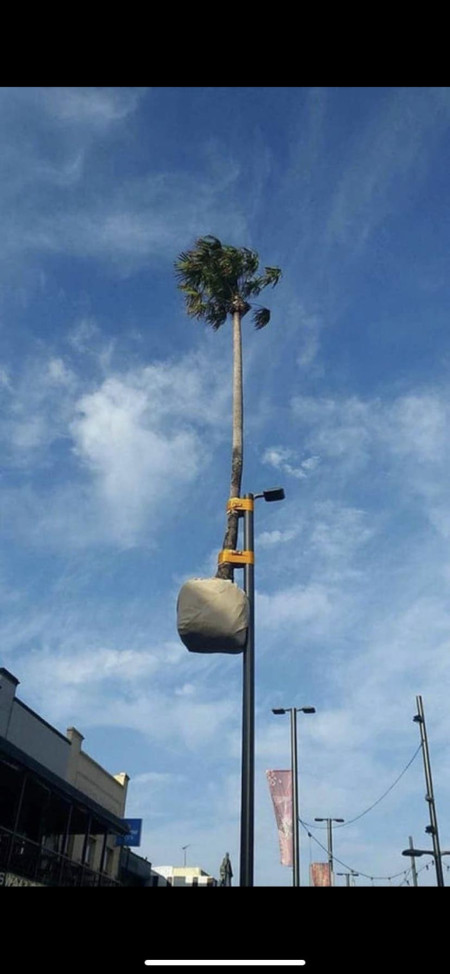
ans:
(212, 616)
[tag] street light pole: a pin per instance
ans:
(294, 778)
(347, 877)
(329, 822)
(248, 691)
(248, 711)
(412, 853)
(432, 828)
(413, 862)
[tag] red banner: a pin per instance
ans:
(320, 874)
(280, 787)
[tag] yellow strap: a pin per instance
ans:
(230, 556)
(240, 504)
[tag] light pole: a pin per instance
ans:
(432, 828)
(184, 847)
(413, 861)
(348, 876)
(412, 852)
(293, 711)
(244, 506)
(329, 822)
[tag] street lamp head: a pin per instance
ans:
(286, 710)
(329, 819)
(275, 494)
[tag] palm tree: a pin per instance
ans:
(218, 280)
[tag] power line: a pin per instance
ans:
(345, 864)
(419, 871)
(349, 821)
(404, 873)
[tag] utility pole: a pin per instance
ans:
(348, 877)
(432, 828)
(413, 863)
(294, 780)
(329, 822)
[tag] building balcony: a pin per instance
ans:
(24, 862)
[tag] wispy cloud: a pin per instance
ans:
(36, 407)
(359, 435)
(97, 107)
(388, 154)
(60, 199)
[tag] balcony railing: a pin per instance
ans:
(25, 859)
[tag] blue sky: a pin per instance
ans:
(115, 428)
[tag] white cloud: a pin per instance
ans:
(310, 326)
(187, 690)
(136, 439)
(419, 427)
(337, 532)
(172, 719)
(138, 436)
(268, 538)
(143, 690)
(156, 778)
(59, 373)
(96, 107)
(4, 379)
(279, 457)
(84, 334)
(314, 607)
(350, 432)
(92, 665)
(134, 463)
(337, 428)
(38, 406)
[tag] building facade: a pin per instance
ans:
(185, 876)
(134, 870)
(60, 811)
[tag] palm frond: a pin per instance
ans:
(215, 277)
(271, 276)
(261, 318)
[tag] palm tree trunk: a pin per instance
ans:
(237, 457)
(238, 409)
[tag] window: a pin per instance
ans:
(109, 861)
(90, 852)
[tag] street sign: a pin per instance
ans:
(133, 837)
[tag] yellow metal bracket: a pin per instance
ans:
(240, 504)
(230, 556)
